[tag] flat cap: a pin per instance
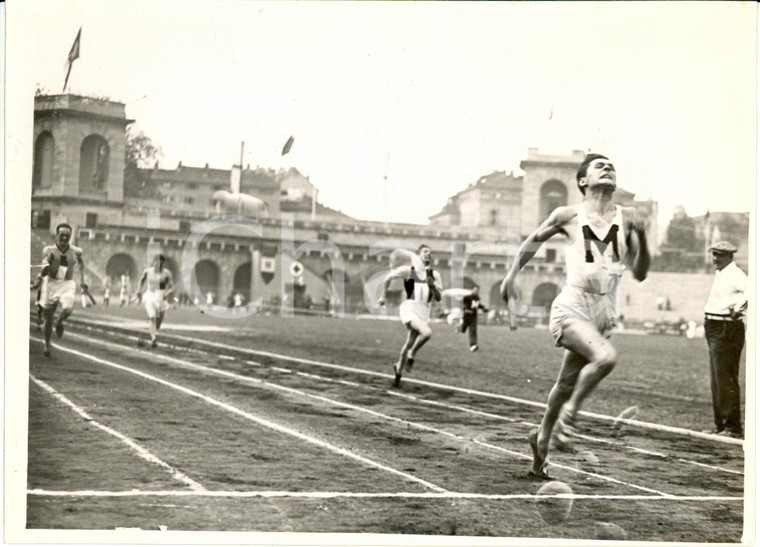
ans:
(723, 247)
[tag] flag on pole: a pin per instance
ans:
(288, 145)
(73, 55)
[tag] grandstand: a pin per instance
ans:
(687, 293)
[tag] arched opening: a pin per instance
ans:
(241, 282)
(44, 155)
(94, 155)
(544, 295)
(207, 279)
(553, 195)
(495, 301)
(171, 265)
(119, 265)
(352, 297)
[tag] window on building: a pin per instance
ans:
(494, 217)
(94, 154)
(91, 220)
(551, 255)
(188, 200)
(324, 236)
(184, 226)
(553, 195)
(41, 219)
(192, 186)
(44, 154)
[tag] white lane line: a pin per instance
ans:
(477, 412)
(661, 455)
(603, 417)
(229, 408)
(141, 452)
(423, 427)
(586, 437)
(404, 495)
(500, 417)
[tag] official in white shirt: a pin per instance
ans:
(724, 330)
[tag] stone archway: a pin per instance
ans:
(495, 300)
(207, 280)
(121, 264)
(171, 265)
(241, 281)
(544, 295)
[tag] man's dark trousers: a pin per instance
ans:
(725, 339)
(470, 324)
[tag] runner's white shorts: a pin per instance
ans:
(411, 309)
(56, 291)
(573, 303)
(154, 303)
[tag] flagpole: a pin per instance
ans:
(385, 185)
(242, 146)
(73, 56)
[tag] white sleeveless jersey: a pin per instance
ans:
(157, 281)
(418, 295)
(593, 259)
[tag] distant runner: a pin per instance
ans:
(421, 289)
(159, 284)
(59, 287)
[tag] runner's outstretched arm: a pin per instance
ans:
(549, 228)
(638, 257)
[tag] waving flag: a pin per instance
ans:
(288, 145)
(73, 55)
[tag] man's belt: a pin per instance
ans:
(717, 317)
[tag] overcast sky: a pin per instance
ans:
(433, 94)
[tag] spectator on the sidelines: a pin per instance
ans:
(724, 330)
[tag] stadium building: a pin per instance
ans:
(279, 241)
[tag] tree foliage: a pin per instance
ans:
(140, 156)
(682, 233)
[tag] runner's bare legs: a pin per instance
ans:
(48, 315)
(411, 337)
(422, 335)
(588, 358)
(601, 360)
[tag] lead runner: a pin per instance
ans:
(600, 236)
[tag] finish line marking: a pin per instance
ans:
(379, 495)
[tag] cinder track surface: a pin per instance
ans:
(271, 424)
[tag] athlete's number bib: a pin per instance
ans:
(61, 271)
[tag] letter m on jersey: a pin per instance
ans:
(590, 238)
